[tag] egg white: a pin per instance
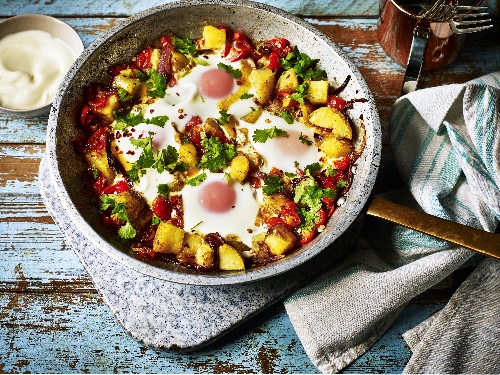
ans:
(239, 220)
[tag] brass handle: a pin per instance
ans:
(475, 239)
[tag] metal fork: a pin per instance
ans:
(439, 11)
(461, 23)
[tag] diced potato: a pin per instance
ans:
(230, 259)
(271, 206)
(130, 85)
(239, 168)
(99, 160)
(213, 38)
(192, 241)
(211, 126)
(106, 112)
(205, 256)
(230, 127)
(288, 81)
(318, 92)
(188, 154)
(178, 61)
(168, 238)
(138, 211)
(252, 116)
(334, 147)
(331, 118)
(263, 81)
(280, 239)
(155, 58)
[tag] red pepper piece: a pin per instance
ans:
(306, 236)
(274, 61)
(98, 140)
(336, 102)
(119, 187)
(162, 208)
(143, 59)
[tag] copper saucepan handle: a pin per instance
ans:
(478, 240)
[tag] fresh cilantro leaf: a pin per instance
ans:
(95, 172)
(124, 95)
(185, 46)
(304, 66)
(341, 183)
(312, 169)
(330, 193)
(290, 174)
(127, 231)
(273, 184)
(122, 122)
(217, 154)
(235, 73)
(224, 117)
(262, 135)
(300, 93)
(287, 116)
(304, 140)
(168, 159)
(195, 181)
(155, 220)
(143, 77)
(246, 96)
(163, 190)
(156, 85)
(201, 61)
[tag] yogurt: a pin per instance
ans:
(32, 65)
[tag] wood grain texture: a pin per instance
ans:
(51, 317)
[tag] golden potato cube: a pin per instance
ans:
(331, 118)
(334, 147)
(99, 160)
(240, 165)
(118, 154)
(130, 85)
(252, 116)
(155, 58)
(263, 81)
(213, 38)
(178, 61)
(205, 256)
(106, 112)
(230, 259)
(168, 238)
(188, 154)
(288, 81)
(280, 239)
(318, 92)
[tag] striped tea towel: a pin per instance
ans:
(446, 142)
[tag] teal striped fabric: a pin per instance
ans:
(446, 142)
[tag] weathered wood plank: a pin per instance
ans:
(68, 332)
(90, 8)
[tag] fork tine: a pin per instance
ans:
(471, 8)
(470, 15)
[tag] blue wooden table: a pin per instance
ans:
(51, 317)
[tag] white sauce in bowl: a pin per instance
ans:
(32, 65)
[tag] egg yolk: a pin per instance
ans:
(217, 197)
(291, 145)
(216, 83)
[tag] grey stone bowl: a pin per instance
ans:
(186, 19)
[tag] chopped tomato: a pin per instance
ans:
(166, 40)
(336, 102)
(143, 59)
(273, 221)
(98, 140)
(328, 206)
(274, 61)
(99, 185)
(119, 187)
(306, 236)
(343, 164)
(162, 208)
(290, 215)
(240, 48)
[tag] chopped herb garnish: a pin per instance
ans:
(300, 93)
(195, 181)
(155, 220)
(224, 117)
(217, 154)
(312, 169)
(197, 225)
(185, 46)
(262, 135)
(235, 73)
(304, 140)
(143, 77)
(287, 116)
(246, 96)
(163, 190)
(124, 95)
(273, 184)
(304, 66)
(108, 201)
(123, 122)
(157, 84)
(95, 172)
(341, 183)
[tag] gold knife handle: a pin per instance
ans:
(475, 239)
